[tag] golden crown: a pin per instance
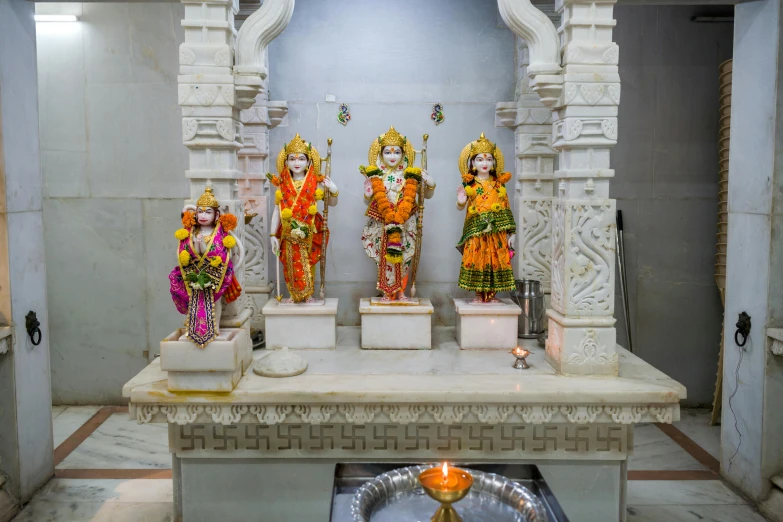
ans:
(207, 199)
(392, 138)
(482, 146)
(297, 146)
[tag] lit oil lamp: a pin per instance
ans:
(521, 354)
(446, 485)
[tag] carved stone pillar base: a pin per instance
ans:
(582, 346)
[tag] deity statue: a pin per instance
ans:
(489, 230)
(299, 235)
(391, 234)
(206, 271)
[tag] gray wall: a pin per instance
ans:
(666, 184)
(457, 52)
(114, 165)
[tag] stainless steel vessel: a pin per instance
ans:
(529, 295)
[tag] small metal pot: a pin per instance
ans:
(529, 295)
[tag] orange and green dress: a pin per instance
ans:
(486, 260)
(301, 232)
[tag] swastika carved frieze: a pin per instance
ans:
(503, 441)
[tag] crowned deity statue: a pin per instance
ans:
(299, 235)
(489, 230)
(206, 271)
(393, 232)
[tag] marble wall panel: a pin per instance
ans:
(33, 395)
(97, 290)
(161, 219)
(107, 43)
(747, 283)
(64, 173)
(136, 146)
(447, 51)
(154, 41)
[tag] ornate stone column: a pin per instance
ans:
(532, 124)
(210, 112)
(581, 323)
(254, 191)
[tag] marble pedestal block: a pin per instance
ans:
(215, 368)
(490, 326)
(582, 346)
(301, 326)
(396, 326)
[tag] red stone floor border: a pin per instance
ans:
(89, 427)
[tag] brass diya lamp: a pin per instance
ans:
(521, 354)
(447, 486)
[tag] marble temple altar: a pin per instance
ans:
(398, 388)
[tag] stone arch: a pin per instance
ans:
(257, 32)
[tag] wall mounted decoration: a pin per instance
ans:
(344, 116)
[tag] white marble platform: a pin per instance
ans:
(487, 326)
(215, 368)
(445, 375)
(396, 326)
(301, 326)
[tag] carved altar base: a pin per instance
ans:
(270, 446)
(215, 368)
(487, 326)
(396, 325)
(301, 326)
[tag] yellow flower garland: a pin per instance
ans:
(470, 191)
(181, 234)
(216, 261)
(472, 209)
(184, 258)
(312, 210)
(278, 196)
(319, 194)
(502, 191)
(287, 214)
(229, 242)
(496, 207)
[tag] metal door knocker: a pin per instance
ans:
(32, 325)
(743, 329)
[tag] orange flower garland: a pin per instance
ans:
(228, 222)
(394, 217)
(188, 219)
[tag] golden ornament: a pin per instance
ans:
(207, 199)
(388, 139)
(480, 146)
(299, 146)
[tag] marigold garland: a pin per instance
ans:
(229, 242)
(470, 191)
(287, 214)
(228, 222)
(393, 217)
(184, 258)
(181, 234)
(312, 210)
(504, 177)
(319, 194)
(278, 196)
(502, 191)
(472, 209)
(496, 207)
(188, 219)
(216, 261)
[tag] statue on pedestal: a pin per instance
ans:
(391, 187)
(489, 230)
(206, 271)
(299, 236)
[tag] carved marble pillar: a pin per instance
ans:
(254, 191)
(210, 113)
(581, 323)
(532, 124)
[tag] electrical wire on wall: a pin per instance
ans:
(741, 336)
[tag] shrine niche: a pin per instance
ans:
(398, 386)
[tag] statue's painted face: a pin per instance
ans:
(206, 216)
(392, 156)
(297, 163)
(483, 163)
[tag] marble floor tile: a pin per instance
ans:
(45, 511)
(56, 410)
(654, 450)
(695, 423)
(120, 443)
(70, 419)
(107, 490)
(680, 492)
(711, 513)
